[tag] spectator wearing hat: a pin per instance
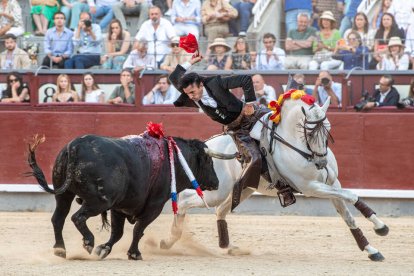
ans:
(352, 53)
(395, 59)
(299, 44)
(218, 54)
(186, 17)
(13, 57)
(177, 56)
(326, 42)
(271, 57)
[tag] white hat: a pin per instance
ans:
(395, 41)
(219, 42)
(175, 39)
(327, 15)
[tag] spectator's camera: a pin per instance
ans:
(325, 81)
(296, 85)
(365, 99)
(87, 23)
(405, 102)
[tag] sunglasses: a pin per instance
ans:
(13, 80)
(174, 45)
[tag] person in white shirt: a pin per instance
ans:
(264, 93)
(158, 32)
(270, 58)
(403, 12)
(395, 59)
(324, 87)
(139, 59)
(91, 93)
(162, 93)
(186, 17)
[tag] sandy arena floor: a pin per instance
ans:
(287, 245)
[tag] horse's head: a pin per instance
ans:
(316, 129)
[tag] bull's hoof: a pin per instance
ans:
(102, 251)
(165, 245)
(135, 257)
(382, 231)
(60, 252)
(377, 257)
(88, 246)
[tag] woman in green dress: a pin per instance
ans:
(42, 12)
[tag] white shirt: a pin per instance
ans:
(162, 37)
(383, 95)
(94, 96)
(402, 11)
(273, 64)
(323, 95)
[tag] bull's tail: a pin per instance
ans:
(105, 222)
(36, 170)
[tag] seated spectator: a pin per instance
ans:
(131, 8)
(11, 19)
(218, 54)
(58, 45)
(239, 25)
(409, 44)
(72, 10)
(324, 87)
(264, 93)
(387, 29)
(125, 93)
(16, 91)
(326, 43)
(88, 39)
(408, 101)
(385, 95)
(299, 44)
(402, 10)
(158, 32)
(361, 25)
(117, 45)
(164, 5)
(177, 56)
(240, 58)
(395, 59)
(186, 17)
(378, 13)
(91, 93)
(42, 13)
(162, 93)
(215, 15)
(350, 12)
(139, 59)
(64, 92)
(102, 9)
(292, 11)
(351, 52)
(298, 82)
(13, 58)
(270, 58)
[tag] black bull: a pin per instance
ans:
(130, 176)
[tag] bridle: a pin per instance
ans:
(313, 131)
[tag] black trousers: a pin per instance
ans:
(47, 62)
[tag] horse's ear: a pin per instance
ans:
(303, 110)
(326, 104)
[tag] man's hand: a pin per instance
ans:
(92, 10)
(248, 109)
(196, 59)
(369, 105)
(116, 100)
(56, 59)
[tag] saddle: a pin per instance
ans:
(269, 170)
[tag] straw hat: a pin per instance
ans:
(328, 15)
(395, 41)
(219, 42)
(175, 39)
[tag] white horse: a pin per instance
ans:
(302, 157)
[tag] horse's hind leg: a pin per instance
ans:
(63, 203)
(359, 237)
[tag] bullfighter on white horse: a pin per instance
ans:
(213, 96)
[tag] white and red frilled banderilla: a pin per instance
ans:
(155, 130)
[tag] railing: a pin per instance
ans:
(258, 11)
(367, 5)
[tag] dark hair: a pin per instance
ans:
(269, 35)
(127, 70)
(59, 12)
(7, 93)
(366, 25)
(356, 34)
(189, 79)
(390, 79)
(119, 37)
(94, 85)
(394, 25)
(12, 36)
(245, 42)
(163, 76)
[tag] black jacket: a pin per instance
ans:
(228, 105)
(391, 99)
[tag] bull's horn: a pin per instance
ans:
(219, 155)
(326, 104)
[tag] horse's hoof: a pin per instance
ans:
(377, 257)
(382, 231)
(102, 251)
(164, 245)
(134, 257)
(60, 252)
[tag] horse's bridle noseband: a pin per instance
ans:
(316, 123)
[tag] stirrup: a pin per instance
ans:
(286, 197)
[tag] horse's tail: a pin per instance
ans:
(36, 170)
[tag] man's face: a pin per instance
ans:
(155, 15)
(302, 23)
(269, 43)
(163, 85)
(258, 82)
(59, 20)
(126, 77)
(83, 18)
(10, 44)
(384, 85)
(194, 92)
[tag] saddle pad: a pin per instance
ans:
(256, 131)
